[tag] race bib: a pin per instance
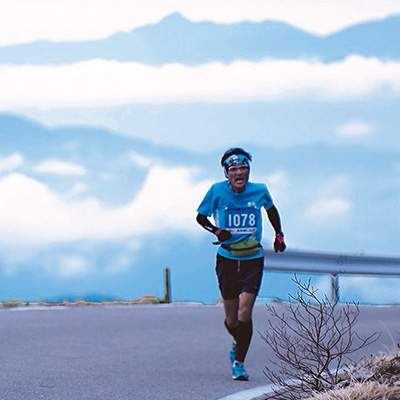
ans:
(241, 220)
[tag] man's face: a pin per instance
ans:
(238, 176)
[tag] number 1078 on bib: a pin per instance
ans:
(241, 220)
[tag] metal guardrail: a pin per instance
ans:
(333, 264)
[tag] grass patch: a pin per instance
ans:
(377, 378)
(81, 302)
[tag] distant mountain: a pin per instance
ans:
(369, 39)
(104, 152)
(18, 133)
(363, 176)
(96, 147)
(98, 150)
(175, 39)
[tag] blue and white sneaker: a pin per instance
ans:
(232, 353)
(239, 373)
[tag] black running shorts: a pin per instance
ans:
(238, 276)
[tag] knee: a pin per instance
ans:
(231, 321)
(245, 314)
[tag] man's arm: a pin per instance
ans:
(275, 220)
(206, 224)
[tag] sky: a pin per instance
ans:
(198, 110)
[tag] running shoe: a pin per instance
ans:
(239, 373)
(232, 353)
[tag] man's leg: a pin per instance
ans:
(233, 279)
(246, 304)
(238, 322)
(231, 308)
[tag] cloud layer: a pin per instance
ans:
(33, 214)
(100, 82)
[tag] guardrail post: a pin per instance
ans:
(167, 293)
(334, 288)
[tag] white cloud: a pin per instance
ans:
(354, 129)
(100, 82)
(11, 162)
(168, 201)
(73, 266)
(30, 211)
(328, 209)
(330, 205)
(119, 264)
(277, 178)
(140, 160)
(24, 21)
(60, 168)
(278, 184)
(33, 214)
(334, 185)
(77, 189)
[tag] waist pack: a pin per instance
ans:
(242, 249)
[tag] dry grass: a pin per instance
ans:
(361, 391)
(66, 303)
(383, 369)
(377, 378)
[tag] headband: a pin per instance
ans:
(236, 159)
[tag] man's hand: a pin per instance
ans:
(223, 235)
(279, 243)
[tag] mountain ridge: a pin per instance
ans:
(176, 39)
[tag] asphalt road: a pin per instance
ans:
(139, 352)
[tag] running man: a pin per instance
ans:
(235, 205)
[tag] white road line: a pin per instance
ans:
(249, 394)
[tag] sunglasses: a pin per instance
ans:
(234, 168)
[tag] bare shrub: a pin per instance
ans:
(311, 340)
